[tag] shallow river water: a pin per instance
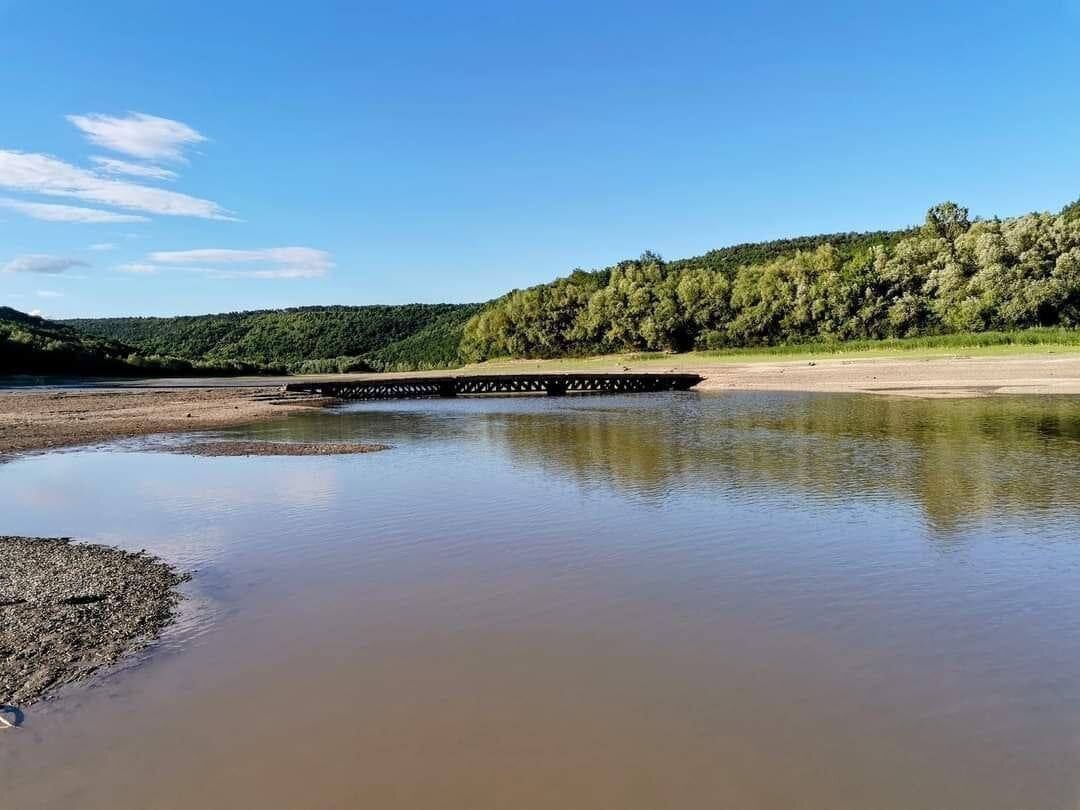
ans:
(657, 601)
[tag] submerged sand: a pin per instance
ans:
(248, 448)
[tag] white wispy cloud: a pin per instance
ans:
(137, 268)
(114, 166)
(42, 263)
(279, 262)
(43, 174)
(50, 212)
(101, 246)
(49, 294)
(138, 134)
(288, 272)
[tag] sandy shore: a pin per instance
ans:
(928, 377)
(918, 376)
(43, 419)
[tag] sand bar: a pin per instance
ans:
(33, 419)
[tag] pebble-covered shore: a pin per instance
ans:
(68, 609)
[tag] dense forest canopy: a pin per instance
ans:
(949, 275)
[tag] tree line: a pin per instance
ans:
(950, 275)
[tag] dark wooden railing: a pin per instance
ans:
(496, 384)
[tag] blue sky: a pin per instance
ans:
(161, 158)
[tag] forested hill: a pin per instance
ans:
(304, 339)
(380, 338)
(951, 274)
(30, 345)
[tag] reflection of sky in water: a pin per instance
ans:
(961, 466)
(923, 554)
(765, 488)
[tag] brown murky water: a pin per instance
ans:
(746, 601)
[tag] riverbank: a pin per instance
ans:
(930, 375)
(67, 610)
(41, 419)
(954, 377)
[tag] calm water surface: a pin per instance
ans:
(671, 601)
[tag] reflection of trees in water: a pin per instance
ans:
(957, 459)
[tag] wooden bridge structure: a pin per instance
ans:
(392, 387)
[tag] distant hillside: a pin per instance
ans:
(303, 339)
(30, 345)
(38, 347)
(379, 338)
(951, 274)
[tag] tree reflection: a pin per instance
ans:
(958, 460)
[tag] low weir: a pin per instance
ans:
(496, 385)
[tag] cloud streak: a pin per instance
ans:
(137, 134)
(42, 264)
(266, 263)
(114, 166)
(43, 174)
(137, 268)
(49, 212)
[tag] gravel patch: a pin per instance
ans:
(67, 610)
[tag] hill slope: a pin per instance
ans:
(381, 338)
(949, 275)
(315, 339)
(35, 346)
(30, 345)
